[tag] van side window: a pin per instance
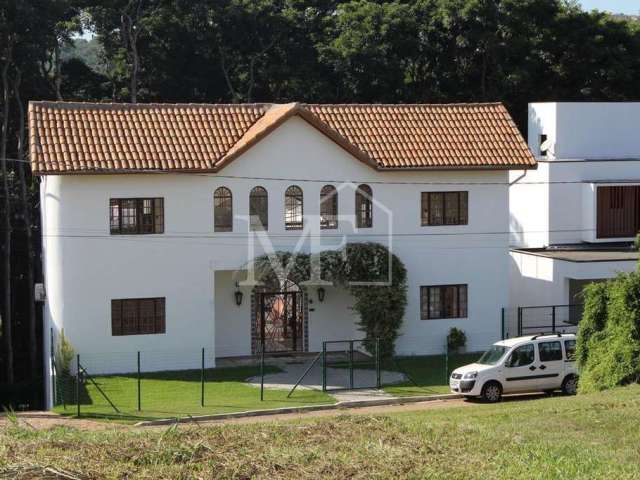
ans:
(550, 351)
(570, 350)
(521, 356)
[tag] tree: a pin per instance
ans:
(122, 26)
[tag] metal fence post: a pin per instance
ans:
(351, 365)
(139, 396)
(378, 383)
(324, 366)
(519, 321)
(262, 375)
(52, 366)
(78, 384)
(502, 326)
(202, 381)
(553, 319)
(446, 362)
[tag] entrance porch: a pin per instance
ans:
(293, 319)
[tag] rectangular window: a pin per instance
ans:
(134, 216)
(570, 350)
(137, 316)
(618, 212)
(550, 351)
(443, 301)
(445, 208)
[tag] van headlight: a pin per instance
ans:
(470, 375)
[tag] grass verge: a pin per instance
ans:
(178, 394)
(430, 373)
(589, 436)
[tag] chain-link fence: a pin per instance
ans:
(151, 384)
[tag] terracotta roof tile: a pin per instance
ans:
(111, 138)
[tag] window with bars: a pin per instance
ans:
(258, 209)
(134, 216)
(443, 301)
(137, 316)
(222, 210)
(445, 208)
(293, 208)
(328, 207)
(364, 207)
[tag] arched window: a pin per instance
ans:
(293, 208)
(258, 209)
(364, 207)
(328, 207)
(222, 210)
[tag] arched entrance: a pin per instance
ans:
(280, 319)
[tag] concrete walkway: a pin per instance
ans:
(337, 379)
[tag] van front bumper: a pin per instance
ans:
(464, 387)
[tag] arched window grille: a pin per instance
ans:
(364, 207)
(293, 208)
(258, 209)
(222, 210)
(328, 207)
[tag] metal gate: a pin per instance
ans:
(280, 324)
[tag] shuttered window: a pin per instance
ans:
(618, 213)
(135, 216)
(443, 301)
(137, 316)
(445, 208)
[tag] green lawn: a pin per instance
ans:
(178, 394)
(430, 373)
(593, 436)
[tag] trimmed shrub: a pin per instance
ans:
(456, 339)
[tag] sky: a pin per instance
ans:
(615, 6)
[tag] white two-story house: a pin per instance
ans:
(151, 213)
(574, 218)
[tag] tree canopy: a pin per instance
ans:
(320, 51)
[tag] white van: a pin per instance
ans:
(537, 363)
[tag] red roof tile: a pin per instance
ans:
(118, 138)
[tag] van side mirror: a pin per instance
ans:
(510, 361)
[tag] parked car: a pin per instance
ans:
(536, 363)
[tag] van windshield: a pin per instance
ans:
(493, 355)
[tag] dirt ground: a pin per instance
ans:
(44, 420)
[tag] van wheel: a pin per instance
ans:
(491, 392)
(570, 385)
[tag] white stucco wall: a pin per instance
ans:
(86, 267)
(536, 280)
(590, 142)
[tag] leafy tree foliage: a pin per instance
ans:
(610, 350)
(513, 51)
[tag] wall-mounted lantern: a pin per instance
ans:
(321, 293)
(238, 295)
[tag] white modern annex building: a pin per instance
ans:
(150, 214)
(575, 217)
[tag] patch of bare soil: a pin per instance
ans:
(46, 420)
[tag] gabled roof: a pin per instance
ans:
(70, 137)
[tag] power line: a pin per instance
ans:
(198, 235)
(307, 180)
